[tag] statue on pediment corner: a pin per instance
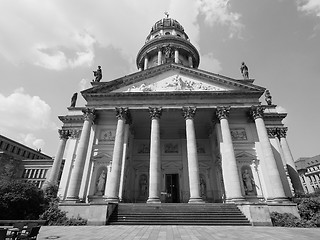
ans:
(74, 100)
(97, 74)
(268, 97)
(244, 70)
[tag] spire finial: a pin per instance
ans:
(167, 14)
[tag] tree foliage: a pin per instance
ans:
(20, 200)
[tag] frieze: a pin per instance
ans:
(238, 134)
(143, 148)
(171, 148)
(107, 136)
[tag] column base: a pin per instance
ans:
(153, 200)
(72, 200)
(234, 200)
(278, 199)
(112, 199)
(196, 200)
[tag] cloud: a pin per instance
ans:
(209, 63)
(60, 34)
(20, 111)
(30, 140)
(84, 84)
(309, 7)
(218, 12)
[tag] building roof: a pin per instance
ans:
(305, 162)
(18, 150)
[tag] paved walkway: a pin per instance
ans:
(176, 232)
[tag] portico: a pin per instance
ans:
(172, 133)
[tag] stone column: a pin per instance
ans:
(159, 56)
(77, 171)
(229, 163)
(124, 156)
(155, 161)
(145, 62)
(193, 165)
(54, 173)
(293, 174)
(190, 61)
(277, 193)
(176, 55)
(114, 180)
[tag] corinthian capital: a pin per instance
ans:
(257, 111)
(63, 134)
(272, 132)
(155, 112)
(89, 114)
(223, 112)
(188, 112)
(122, 113)
(282, 132)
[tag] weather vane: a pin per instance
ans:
(167, 14)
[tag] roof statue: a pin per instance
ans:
(97, 74)
(74, 100)
(268, 97)
(167, 14)
(244, 70)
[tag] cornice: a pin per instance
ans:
(71, 118)
(107, 87)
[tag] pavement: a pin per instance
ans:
(120, 232)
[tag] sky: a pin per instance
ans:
(49, 48)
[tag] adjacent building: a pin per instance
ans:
(21, 162)
(309, 172)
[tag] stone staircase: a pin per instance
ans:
(178, 214)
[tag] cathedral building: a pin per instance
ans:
(173, 133)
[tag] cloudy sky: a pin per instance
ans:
(48, 49)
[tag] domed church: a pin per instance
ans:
(173, 133)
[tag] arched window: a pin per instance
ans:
(167, 33)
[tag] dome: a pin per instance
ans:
(167, 42)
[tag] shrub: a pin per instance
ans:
(55, 216)
(20, 200)
(284, 220)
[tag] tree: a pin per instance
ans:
(20, 200)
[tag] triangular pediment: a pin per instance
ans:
(173, 81)
(172, 78)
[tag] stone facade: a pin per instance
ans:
(174, 133)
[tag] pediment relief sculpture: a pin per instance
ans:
(177, 83)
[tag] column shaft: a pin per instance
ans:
(77, 171)
(145, 62)
(176, 56)
(293, 174)
(277, 193)
(159, 56)
(124, 158)
(190, 61)
(229, 163)
(54, 173)
(192, 155)
(114, 180)
(155, 161)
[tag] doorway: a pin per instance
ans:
(172, 188)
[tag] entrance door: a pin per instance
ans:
(172, 188)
